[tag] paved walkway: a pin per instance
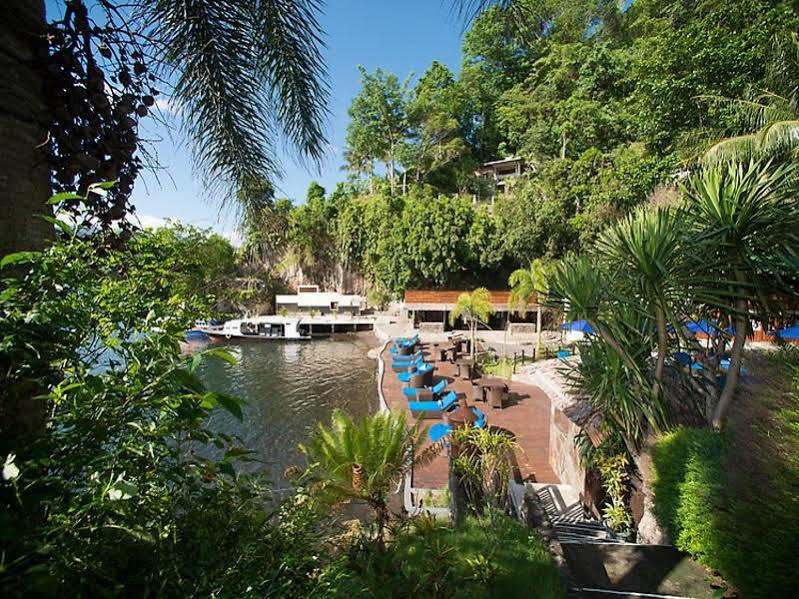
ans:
(526, 415)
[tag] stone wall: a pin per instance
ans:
(521, 328)
(431, 327)
(563, 454)
(566, 412)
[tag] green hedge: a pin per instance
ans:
(730, 524)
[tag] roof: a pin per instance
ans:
(445, 299)
(318, 299)
(510, 160)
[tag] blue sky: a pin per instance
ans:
(396, 36)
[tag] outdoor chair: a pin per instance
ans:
(441, 430)
(406, 359)
(405, 366)
(433, 409)
(420, 369)
(436, 389)
(497, 395)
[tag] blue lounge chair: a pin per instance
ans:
(410, 358)
(682, 358)
(562, 354)
(396, 349)
(436, 389)
(404, 366)
(410, 340)
(725, 366)
(433, 409)
(441, 430)
(405, 377)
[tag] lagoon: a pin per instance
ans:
(289, 387)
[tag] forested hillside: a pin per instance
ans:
(608, 105)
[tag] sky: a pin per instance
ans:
(400, 37)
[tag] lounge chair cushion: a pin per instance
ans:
(443, 404)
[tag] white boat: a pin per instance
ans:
(261, 328)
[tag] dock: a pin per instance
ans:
(526, 415)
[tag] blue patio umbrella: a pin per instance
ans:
(580, 326)
(789, 333)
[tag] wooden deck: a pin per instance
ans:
(526, 415)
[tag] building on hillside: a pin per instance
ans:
(494, 177)
(429, 309)
(309, 299)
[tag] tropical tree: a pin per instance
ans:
(474, 308)
(744, 224)
(770, 118)
(527, 284)
(364, 461)
(646, 250)
(238, 72)
(379, 123)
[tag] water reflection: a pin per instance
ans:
(289, 387)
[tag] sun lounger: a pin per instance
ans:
(433, 409)
(436, 389)
(406, 366)
(411, 358)
(420, 369)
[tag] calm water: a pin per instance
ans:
(289, 387)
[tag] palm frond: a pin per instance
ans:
(245, 74)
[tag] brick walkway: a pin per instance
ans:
(526, 415)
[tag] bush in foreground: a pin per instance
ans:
(429, 558)
(734, 504)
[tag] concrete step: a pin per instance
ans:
(602, 570)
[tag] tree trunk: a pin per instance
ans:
(662, 347)
(563, 142)
(24, 173)
(457, 497)
(741, 322)
(474, 332)
(537, 330)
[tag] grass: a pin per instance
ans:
(732, 499)
(428, 558)
(504, 366)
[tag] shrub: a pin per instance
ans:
(689, 490)
(739, 518)
(427, 558)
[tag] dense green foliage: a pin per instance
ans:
(482, 558)
(605, 105)
(731, 499)
(127, 491)
(364, 461)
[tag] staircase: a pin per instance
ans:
(568, 520)
(599, 566)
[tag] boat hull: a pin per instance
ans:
(222, 336)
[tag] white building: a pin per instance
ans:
(309, 299)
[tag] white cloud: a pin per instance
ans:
(165, 105)
(234, 237)
(146, 221)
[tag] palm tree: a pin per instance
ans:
(770, 118)
(771, 128)
(364, 461)
(473, 307)
(645, 248)
(242, 73)
(527, 284)
(744, 225)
